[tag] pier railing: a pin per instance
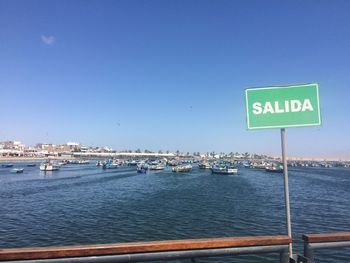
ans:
(323, 241)
(151, 251)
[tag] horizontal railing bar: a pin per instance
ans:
(329, 245)
(139, 247)
(327, 237)
(169, 255)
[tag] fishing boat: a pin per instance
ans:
(64, 162)
(225, 169)
(246, 164)
(204, 165)
(172, 163)
(258, 165)
(274, 169)
(6, 165)
(133, 163)
(110, 165)
(156, 167)
(17, 170)
(49, 166)
(182, 168)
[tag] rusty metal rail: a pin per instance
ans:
(150, 251)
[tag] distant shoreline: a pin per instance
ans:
(31, 159)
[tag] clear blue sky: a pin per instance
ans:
(170, 75)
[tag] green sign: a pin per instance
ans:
(281, 107)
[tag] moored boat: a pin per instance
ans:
(204, 165)
(110, 165)
(64, 162)
(49, 166)
(246, 164)
(156, 167)
(258, 165)
(182, 168)
(132, 163)
(7, 165)
(172, 163)
(274, 169)
(73, 162)
(217, 169)
(17, 170)
(31, 164)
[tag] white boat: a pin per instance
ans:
(224, 170)
(83, 162)
(261, 165)
(111, 165)
(49, 166)
(156, 167)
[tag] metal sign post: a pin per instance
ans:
(286, 188)
(281, 107)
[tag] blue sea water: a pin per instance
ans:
(83, 204)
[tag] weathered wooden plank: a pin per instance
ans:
(139, 247)
(327, 237)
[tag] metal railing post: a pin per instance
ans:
(284, 256)
(308, 253)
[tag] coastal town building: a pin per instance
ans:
(12, 148)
